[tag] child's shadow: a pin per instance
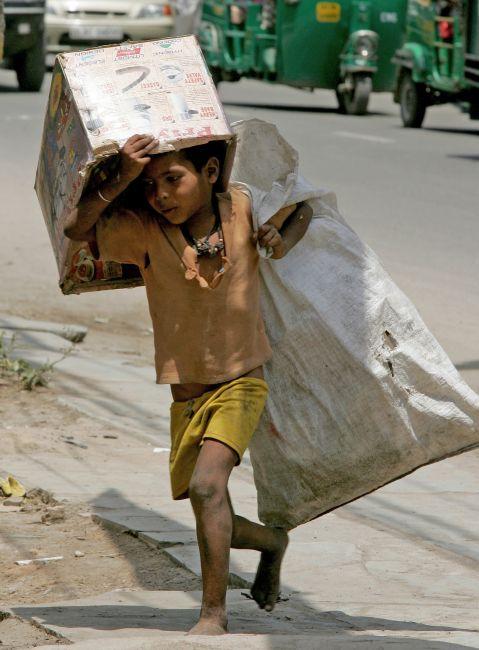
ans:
(112, 617)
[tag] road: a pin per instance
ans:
(412, 195)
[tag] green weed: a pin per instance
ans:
(29, 375)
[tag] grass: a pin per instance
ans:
(29, 375)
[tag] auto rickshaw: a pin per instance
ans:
(346, 46)
(439, 60)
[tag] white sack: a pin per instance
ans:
(361, 393)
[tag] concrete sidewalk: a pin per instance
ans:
(398, 567)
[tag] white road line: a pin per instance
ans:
(239, 115)
(12, 118)
(361, 136)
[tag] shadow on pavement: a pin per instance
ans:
(440, 129)
(471, 157)
(468, 365)
(112, 617)
(110, 403)
(298, 108)
(142, 618)
(404, 521)
(10, 89)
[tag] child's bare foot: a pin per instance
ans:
(209, 627)
(213, 622)
(265, 589)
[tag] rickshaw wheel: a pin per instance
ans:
(216, 76)
(412, 100)
(356, 100)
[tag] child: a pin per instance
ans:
(196, 251)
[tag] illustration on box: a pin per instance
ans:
(62, 159)
(85, 268)
(141, 95)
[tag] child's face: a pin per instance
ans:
(174, 188)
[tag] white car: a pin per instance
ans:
(78, 24)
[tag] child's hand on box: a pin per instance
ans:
(134, 156)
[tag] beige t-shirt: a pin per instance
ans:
(206, 321)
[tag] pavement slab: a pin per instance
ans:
(74, 333)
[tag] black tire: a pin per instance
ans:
(216, 76)
(356, 100)
(30, 67)
(474, 111)
(412, 100)
(340, 98)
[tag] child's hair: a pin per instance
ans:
(200, 154)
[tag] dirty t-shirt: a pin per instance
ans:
(207, 323)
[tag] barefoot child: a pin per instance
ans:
(196, 251)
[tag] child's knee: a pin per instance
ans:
(205, 489)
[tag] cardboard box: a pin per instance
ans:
(98, 99)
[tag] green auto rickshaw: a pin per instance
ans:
(439, 60)
(346, 46)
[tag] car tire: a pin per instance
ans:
(412, 100)
(30, 67)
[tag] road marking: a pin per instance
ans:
(361, 136)
(11, 118)
(238, 115)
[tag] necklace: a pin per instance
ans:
(203, 245)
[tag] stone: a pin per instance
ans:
(13, 501)
(53, 515)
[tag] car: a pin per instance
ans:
(79, 24)
(22, 28)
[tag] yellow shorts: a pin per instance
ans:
(229, 414)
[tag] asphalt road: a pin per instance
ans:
(412, 195)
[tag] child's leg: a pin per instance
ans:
(218, 528)
(272, 543)
(214, 528)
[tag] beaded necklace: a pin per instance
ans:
(203, 245)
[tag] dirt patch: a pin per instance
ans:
(33, 422)
(17, 633)
(94, 559)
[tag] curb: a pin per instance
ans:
(235, 580)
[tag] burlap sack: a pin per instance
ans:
(361, 392)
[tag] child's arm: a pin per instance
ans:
(81, 221)
(285, 229)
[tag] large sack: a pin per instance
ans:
(361, 393)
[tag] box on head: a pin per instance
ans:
(98, 99)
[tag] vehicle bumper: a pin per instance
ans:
(134, 29)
